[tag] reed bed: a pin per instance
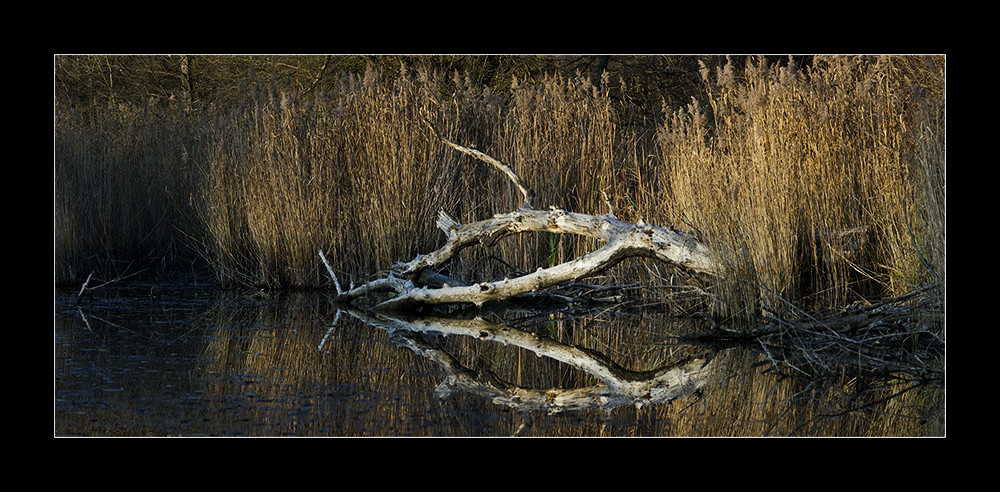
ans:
(122, 190)
(820, 185)
(353, 172)
(357, 173)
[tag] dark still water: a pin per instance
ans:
(184, 361)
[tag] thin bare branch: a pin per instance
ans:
(501, 166)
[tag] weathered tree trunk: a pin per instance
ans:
(412, 281)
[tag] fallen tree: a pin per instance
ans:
(900, 339)
(417, 283)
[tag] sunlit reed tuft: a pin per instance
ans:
(823, 185)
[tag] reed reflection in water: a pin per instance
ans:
(282, 366)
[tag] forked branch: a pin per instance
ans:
(416, 283)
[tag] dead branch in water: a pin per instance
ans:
(901, 336)
(416, 283)
(87, 288)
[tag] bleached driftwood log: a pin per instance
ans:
(416, 282)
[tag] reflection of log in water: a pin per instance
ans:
(856, 372)
(619, 386)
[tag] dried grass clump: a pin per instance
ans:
(806, 183)
(355, 172)
(350, 171)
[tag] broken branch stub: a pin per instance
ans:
(410, 281)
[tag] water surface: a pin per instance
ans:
(188, 361)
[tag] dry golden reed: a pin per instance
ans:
(816, 186)
(805, 181)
